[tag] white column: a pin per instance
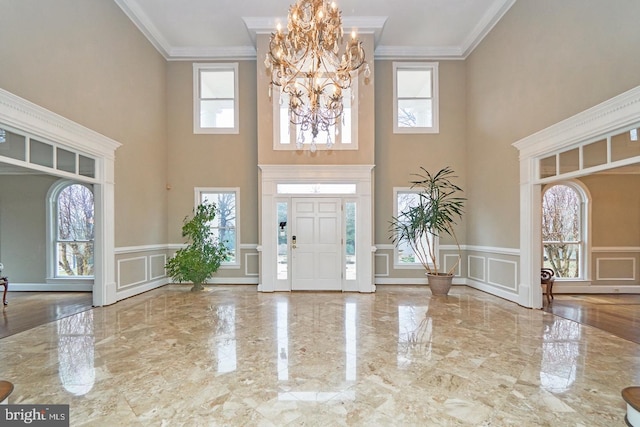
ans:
(104, 287)
(530, 294)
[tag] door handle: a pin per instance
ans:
(293, 242)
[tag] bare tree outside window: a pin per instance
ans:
(407, 118)
(561, 230)
(75, 231)
(224, 224)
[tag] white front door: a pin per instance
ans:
(316, 244)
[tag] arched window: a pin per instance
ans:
(564, 225)
(72, 230)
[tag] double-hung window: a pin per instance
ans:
(564, 222)
(404, 255)
(71, 210)
(224, 226)
(415, 97)
(215, 96)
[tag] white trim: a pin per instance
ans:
(249, 246)
(233, 281)
(400, 281)
(142, 248)
(491, 17)
(24, 115)
(385, 247)
(29, 117)
(132, 291)
(497, 291)
(615, 249)
(387, 53)
(363, 24)
(215, 66)
(145, 25)
(490, 249)
(563, 288)
(590, 125)
(199, 53)
(361, 175)
(50, 287)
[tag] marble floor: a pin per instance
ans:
(231, 356)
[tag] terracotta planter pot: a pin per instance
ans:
(440, 283)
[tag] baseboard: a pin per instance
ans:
(493, 290)
(135, 290)
(49, 287)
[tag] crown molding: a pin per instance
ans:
(416, 52)
(486, 24)
(609, 116)
(212, 53)
(146, 27)
(362, 24)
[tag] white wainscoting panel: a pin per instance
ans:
(135, 271)
(625, 268)
(254, 264)
(475, 262)
(448, 264)
(156, 266)
(499, 277)
(384, 261)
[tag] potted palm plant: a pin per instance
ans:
(434, 214)
(203, 255)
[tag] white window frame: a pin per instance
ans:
(198, 68)
(426, 66)
(396, 256)
(52, 234)
(337, 140)
(585, 228)
(199, 191)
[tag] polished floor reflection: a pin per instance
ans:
(233, 356)
(618, 314)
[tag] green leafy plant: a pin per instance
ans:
(202, 257)
(434, 214)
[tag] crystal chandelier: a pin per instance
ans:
(310, 66)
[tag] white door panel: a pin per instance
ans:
(316, 253)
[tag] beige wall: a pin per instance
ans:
(615, 209)
(23, 210)
(400, 155)
(211, 160)
(86, 61)
(546, 60)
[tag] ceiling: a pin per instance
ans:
(226, 29)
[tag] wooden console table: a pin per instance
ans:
(4, 281)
